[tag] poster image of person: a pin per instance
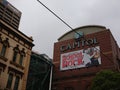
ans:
(94, 55)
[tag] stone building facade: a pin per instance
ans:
(15, 49)
(80, 53)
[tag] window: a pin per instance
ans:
(16, 83)
(22, 55)
(0, 37)
(3, 51)
(9, 83)
(0, 71)
(21, 59)
(15, 56)
(16, 51)
(4, 47)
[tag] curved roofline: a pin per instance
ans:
(100, 26)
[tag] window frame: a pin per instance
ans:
(5, 45)
(1, 70)
(10, 81)
(16, 84)
(21, 60)
(22, 55)
(3, 51)
(15, 53)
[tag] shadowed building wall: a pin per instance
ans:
(39, 72)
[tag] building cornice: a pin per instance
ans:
(17, 33)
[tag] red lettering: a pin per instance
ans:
(72, 59)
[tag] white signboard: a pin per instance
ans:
(81, 58)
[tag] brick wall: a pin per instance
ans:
(80, 79)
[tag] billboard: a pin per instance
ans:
(80, 58)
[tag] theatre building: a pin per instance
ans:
(80, 53)
(15, 49)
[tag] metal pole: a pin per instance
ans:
(58, 17)
(44, 79)
(50, 83)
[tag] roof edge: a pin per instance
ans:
(100, 26)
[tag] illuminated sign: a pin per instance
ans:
(81, 58)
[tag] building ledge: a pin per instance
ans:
(17, 65)
(16, 71)
(3, 66)
(3, 58)
(7, 89)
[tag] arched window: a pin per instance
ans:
(16, 52)
(9, 82)
(17, 80)
(22, 55)
(4, 47)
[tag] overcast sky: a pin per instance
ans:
(45, 28)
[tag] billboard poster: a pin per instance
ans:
(80, 58)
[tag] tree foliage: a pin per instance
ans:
(106, 80)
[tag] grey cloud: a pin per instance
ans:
(45, 28)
